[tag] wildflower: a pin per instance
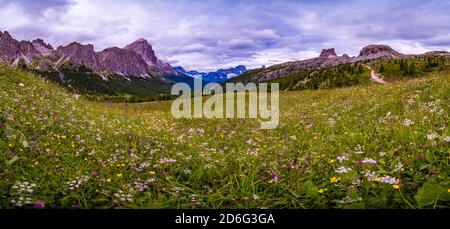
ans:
(347, 200)
(398, 167)
(166, 160)
(396, 186)
(408, 122)
(119, 175)
(75, 184)
(10, 154)
(39, 205)
(343, 169)
(36, 163)
(332, 161)
(389, 180)
(377, 179)
(275, 178)
(75, 206)
(341, 158)
(448, 190)
(108, 180)
(133, 165)
(152, 172)
(122, 197)
(420, 158)
(255, 197)
(334, 180)
(289, 165)
(21, 84)
(371, 176)
(447, 139)
(431, 136)
(64, 137)
(94, 173)
(368, 161)
(322, 190)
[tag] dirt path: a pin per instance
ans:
(375, 77)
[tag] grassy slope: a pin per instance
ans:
(49, 138)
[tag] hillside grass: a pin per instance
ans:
(376, 146)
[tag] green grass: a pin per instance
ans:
(411, 67)
(110, 150)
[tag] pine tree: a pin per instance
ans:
(402, 65)
(412, 69)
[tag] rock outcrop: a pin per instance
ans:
(76, 54)
(123, 62)
(328, 53)
(143, 48)
(372, 52)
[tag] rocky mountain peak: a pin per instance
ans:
(123, 62)
(328, 53)
(143, 48)
(375, 49)
(41, 42)
(6, 35)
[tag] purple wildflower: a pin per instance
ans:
(420, 158)
(39, 205)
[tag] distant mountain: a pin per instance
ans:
(327, 58)
(134, 60)
(216, 76)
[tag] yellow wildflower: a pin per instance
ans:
(332, 161)
(152, 172)
(36, 163)
(322, 190)
(108, 180)
(119, 175)
(377, 179)
(64, 137)
(396, 186)
(334, 180)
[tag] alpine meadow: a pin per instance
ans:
(90, 124)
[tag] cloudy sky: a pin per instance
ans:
(207, 35)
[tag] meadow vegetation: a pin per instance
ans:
(364, 146)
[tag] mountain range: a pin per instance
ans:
(327, 59)
(214, 76)
(136, 59)
(135, 70)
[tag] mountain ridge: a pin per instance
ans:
(214, 76)
(326, 59)
(136, 59)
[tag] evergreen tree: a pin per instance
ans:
(412, 69)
